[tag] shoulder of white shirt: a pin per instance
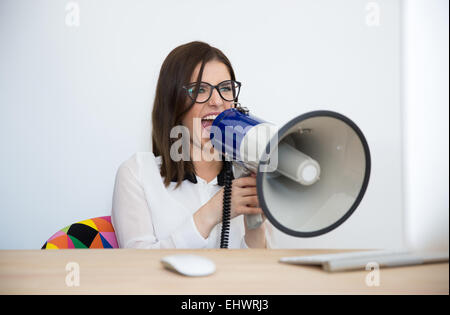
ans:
(139, 160)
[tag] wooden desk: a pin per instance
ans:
(238, 272)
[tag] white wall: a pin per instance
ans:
(76, 101)
(426, 103)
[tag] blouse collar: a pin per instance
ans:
(220, 178)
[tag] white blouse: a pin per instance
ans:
(146, 214)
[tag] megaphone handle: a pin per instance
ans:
(253, 221)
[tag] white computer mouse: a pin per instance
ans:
(189, 265)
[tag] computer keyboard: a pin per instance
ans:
(360, 259)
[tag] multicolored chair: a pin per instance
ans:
(91, 233)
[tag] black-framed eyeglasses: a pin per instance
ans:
(201, 92)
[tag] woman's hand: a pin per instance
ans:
(244, 200)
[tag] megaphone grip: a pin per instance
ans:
(253, 221)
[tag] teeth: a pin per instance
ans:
(210, 117)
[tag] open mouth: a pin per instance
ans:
(208, 120)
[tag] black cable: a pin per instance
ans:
(226, 214)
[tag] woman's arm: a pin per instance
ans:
(133, 223)
(243, 201)
(207, 216)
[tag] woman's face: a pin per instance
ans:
(201, 115)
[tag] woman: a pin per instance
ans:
(162, 201)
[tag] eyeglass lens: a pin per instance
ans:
(228, 90)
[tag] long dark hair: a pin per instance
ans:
(171, 102)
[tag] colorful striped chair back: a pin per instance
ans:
(91, 233)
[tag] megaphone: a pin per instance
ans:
(311, 173)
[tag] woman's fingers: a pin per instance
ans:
(251, 210)
(251, 201)
(247, 191)
(244, 181)
(244, 196)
